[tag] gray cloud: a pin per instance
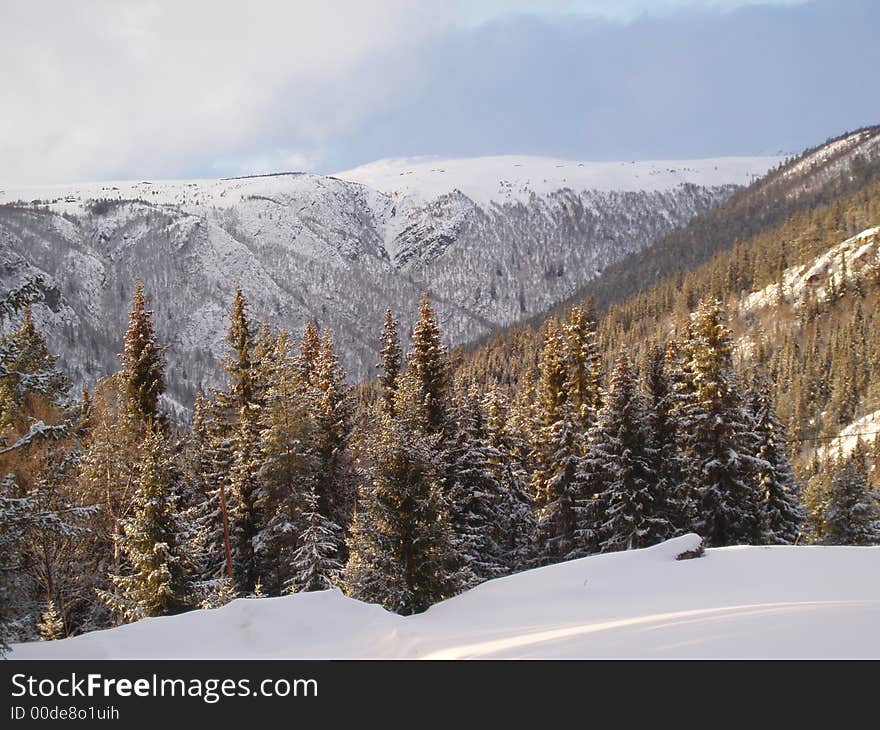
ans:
(123, 89)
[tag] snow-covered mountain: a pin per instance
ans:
(491, 240)
(735, 602)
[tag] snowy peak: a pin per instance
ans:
(516, 178)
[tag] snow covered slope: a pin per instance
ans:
(760, 602)
(514, 178)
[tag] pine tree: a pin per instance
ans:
(560, 498)
(475, 494)
(853, 513)
(424, 392)
(309, 347)
(583, 363)
(315, 565)
(27, 369)
(155, 584)
(720, 440)
(219, 593)
(244, 492)
(332, 412)
(238, 363)
(143, 377)
(290, 469)
(506, 448)
(400, 547)
(391, 362)
(620, 455)
(671, 500)
(51, 624)
(565, 508)
(777, 488)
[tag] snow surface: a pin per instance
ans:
(866, 428)
(510, 178)
(758, 602)
(857, 251)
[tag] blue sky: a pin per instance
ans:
(152, 89)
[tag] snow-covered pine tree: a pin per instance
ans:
(475, 493)
(557, 452)
(51, 626)
(391, 363)
(331, 411)
(684, 494)
(815, 502)
(620, 456)
(563, 518)
(668, 465)
(506, 448)
(778, 490)
(244, 493)
(853, 512)
(309, 347)
(28, 371)
(720, 436)
(424, 389)
(235, 445)
(583, 362)
(315, 562)
(400, 546)
(154, 583)
(290, 469)
(143, 377)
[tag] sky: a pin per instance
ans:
(118, 89)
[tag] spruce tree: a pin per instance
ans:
(391, 362)
(668, 465)
(155, 581)
(583, 363)
(143, 377)
(51, 626)
(563, 509)
(332, 413)
(315, 564)
(720, 439)
(238, 363)
(244, 490)
(506, 449)
(290, 469)
(475, 493)
(565, 526)
(425, 390)
(777, 488)
(620, 457)
(853, 512)
(309, 347)
(27, 369)
(400, 546)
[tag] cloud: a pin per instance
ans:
(110, 89)
(103, 88)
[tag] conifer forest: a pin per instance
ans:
(694, 405)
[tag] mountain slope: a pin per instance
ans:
(816, 177)
(311, 247)
(760, 602)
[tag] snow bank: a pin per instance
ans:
(734, 602)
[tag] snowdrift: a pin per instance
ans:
(756, 602)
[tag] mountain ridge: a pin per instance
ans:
(307, 247)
